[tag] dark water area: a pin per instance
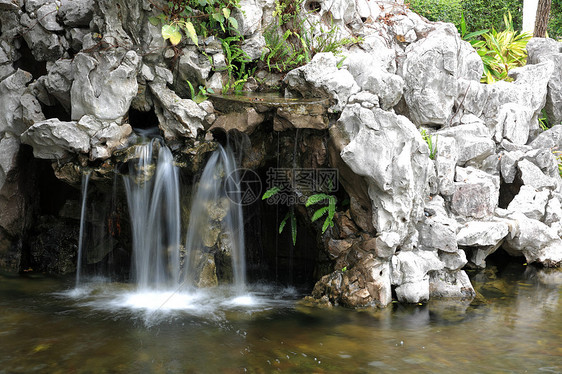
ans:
(515, 326)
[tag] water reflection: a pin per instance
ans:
(514, 326)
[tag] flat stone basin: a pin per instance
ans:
(250, 109)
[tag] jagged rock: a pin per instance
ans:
(44, 45)
(104, 84)
(482, 234)
(436, 229)
(508, 165)
(9, 146)
(12, 90)
(301, 117)
(530, 202)
(193, 67)
(375, 79)
(535, 240)
(322, 78)
(53, 139)
(551, 138)
(59, 81)
(76, 38)
(367, 283)
(410, 274)
(254, 45)
(453, 261)
(47, 17)
(390, 153)
(476, 193)
(446, 158)
(455, 284)
(76, 13)
(177, 117)
(9, 5)
(532, 176)
(33, 5)
(473, 141)
(553, 213)
(513, 121)
(541, 50)
(430, 71)
(249, 15)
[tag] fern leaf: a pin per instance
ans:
(272, 191)
(314, 199)
(319, 213)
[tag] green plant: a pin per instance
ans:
(289, 216)
(201, 95)
(328, 211)
(488, 14)
(295, 39)
(471, 37)
(431, 145)
(502, 51)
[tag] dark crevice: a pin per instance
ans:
(28, 63)
(55, 111)
(142, 120)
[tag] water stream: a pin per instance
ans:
(85, 181)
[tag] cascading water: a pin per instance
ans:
(216, 213)
(154, 207)
(85, 181)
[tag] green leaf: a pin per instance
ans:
(171, 32)
(283, 223)
(233, 22)
(191, 89)
(314, 199)
(294, 228)
(226, 12)
(154, 20)
(326, 224)
(191, 32)
(272, 191)
(319, 213)
(218, 17)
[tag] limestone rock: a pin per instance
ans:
(430, 71)
(245, 121)
(177, 117)
(436, 230)
(322, 78)
(9, 146)
(410, 272)
(12, 90)
(446, 157)
(447, 284)
(482, 233)
(52, 139)
(104, 85)
(532, 176)
(59, 81)
(540, 50)
(530, 202)
(76, 13)
(476, 193)
(44, 45)
(254, 45)
(535, 240)
(473, 141)
(390, 153)
(47, 17)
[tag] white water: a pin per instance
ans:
(219, 176)
(154, 208)
(85, 180)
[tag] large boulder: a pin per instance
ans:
(104, 84)
(389, 152)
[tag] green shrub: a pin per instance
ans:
(555, 24)
(486, 14)
(438, 10)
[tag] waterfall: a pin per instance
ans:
(154, 207)
(216, 209)
(85, 181)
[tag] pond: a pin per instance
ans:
(515, 326)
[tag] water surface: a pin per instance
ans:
(515, 328)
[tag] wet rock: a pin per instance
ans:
(541, 50)
(322, 78)
(245, 121)
(76, 13)
(430, 71)
(410, 273)
(535, 240)
(205, 270)
(476, 193)
(338, 247)
(301, 117)
(9, 146)
(104, 85)
(177, 117)
(447, 284)
(366, 284)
